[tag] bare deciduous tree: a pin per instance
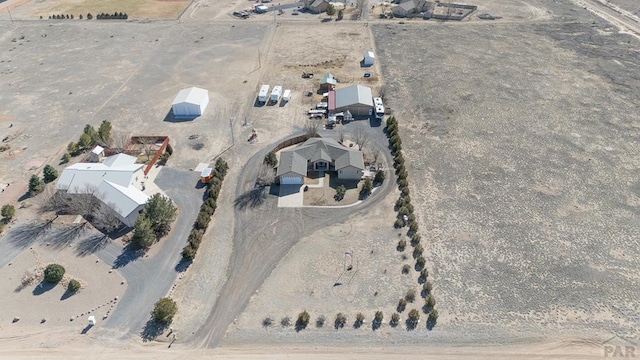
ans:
(266, 176)
(361, 137)
(148, 145)
(382, 91)
(312, 127)
(104, 217)
(119, 141)
(360, 5)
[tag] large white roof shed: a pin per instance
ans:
(190, 102)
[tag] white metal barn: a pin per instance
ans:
(369, 58)
(190, 102)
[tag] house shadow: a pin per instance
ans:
(170, 117)
(288, 190)
(334, 182)
(374, 122)
(43, 287)
(129, 253)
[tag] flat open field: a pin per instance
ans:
(523, 154)
(140, 9)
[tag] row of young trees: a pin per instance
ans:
(36, 184)
(154, 222)
(207, 209)
(89, 138)
(406, 217)
(341, 319)
(101, 16)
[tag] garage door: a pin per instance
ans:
(291, 180)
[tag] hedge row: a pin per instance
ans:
(207, 209)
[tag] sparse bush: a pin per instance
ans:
(402, 244)
(341, 319)
(403, 210)
(74, 286)
(268, 321)
(401, 202)
(164, 310)
(406, 268)
(8, 212)
(303, 320)
(426, 288)
(424, 273)
(395, 319)
(415, 240)
(403, 183)
(320, 321)
(359, 319)
(430, 302)
(398, 224)
(433, 316)
(35, 185)
(410, 296)
(378, 317)
(340, 191)
(366, 189)
(285, 321)
(53, 273)
(420, 262)
(189, 252)
(413, 226)
(404, 192)
(395, 139)
(402, 304)
(271, 159)
(66, 158)
(202, 221)
(414, 316)
(221, 167)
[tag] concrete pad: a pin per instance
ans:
(290, 196)
(201, 166)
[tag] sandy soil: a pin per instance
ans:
(147, 9)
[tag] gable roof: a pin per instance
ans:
(317, 3)
(123, 200)
(290, 161)
(192, 95)
(98, 150)
(369, 54)
(354, 95)
(328, 78)
(119, 160)
(319, 149)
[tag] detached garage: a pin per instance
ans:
(190, 102)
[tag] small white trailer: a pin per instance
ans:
(264, 93)
(286, 96)
(276, 93)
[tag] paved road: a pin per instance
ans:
(149, 279)
(264, 234)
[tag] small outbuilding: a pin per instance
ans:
(328, 82)
(96, 154)
(404, 9)
(356, 99)
(368, 58)
(190, 102)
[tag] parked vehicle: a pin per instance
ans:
(286, 96)
(275, 94)
(263, 94)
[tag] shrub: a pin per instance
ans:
(402, 175)
(74, 286)
(207, 209)
(424, 273)
(221, 167)
(420, 262)
(195, 237)
(404, 193)
(367, 187)
(414, 315)
(430, 302)
(413, 226)
(8, 212)
(73, 149)
(379, 178)
(401, 202)
(213, 192)
(378, 317)
(35, 185)
(398, 223)
(395, 318)
(320, 321)
(406, 268)
(161, 212)
(202, 221)
(403, 211)
(285, 321)
(410, 296)
(433, 316)
(415, 239)
(50, 173)
(402, 304)
(268, 321)
(66, 158)
(394, 140)
(402, 244)
(271, 159)
(340, 191)
(303, 320)
(426, 288)
(53, 273)
(417, 251)
(341, 319)
(359, 320)
(164, 310)
(189, 252)
(397, 147)
(398, 158)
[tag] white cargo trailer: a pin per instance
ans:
(264, 93)
(286, 96)
(275, 93)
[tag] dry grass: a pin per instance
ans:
(143, 9)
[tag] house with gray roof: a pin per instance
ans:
(112, 182)
(319, 154)
(356, 99)
(404, 9)
(316, 6)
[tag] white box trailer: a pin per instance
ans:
(275, 93)
(286, 96)
(264, 93)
